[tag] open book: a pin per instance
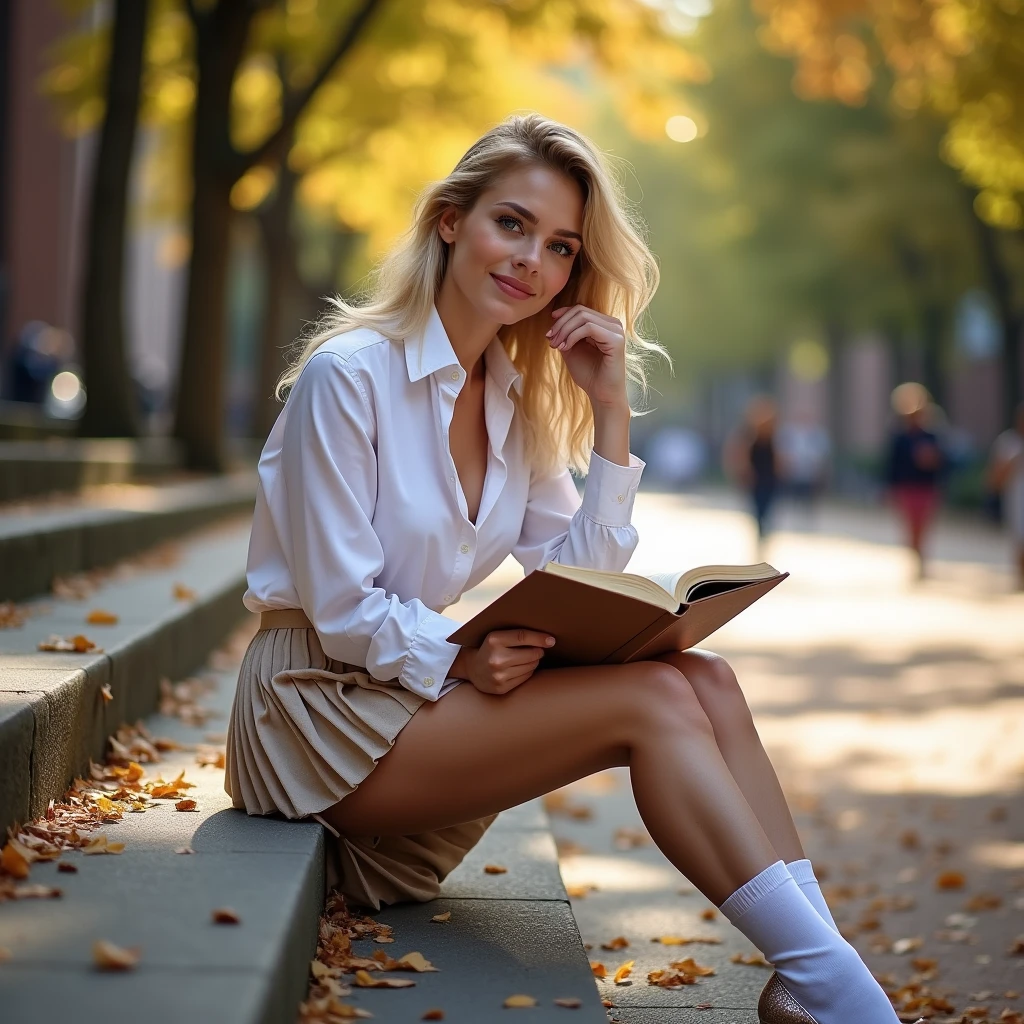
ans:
(613, 617)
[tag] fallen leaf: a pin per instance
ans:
(519, 1002)
(434, 1014)
(690, 966)
(495, 869)
(345, 1011)
(185, 805)
(708, 914)
(99, 617)
(414, 962)
(365, 980)
(750, 960)
(77, 644)
(100, 844)
(67, 867)
(670, 979)
(184, 849)
(619, 942)
(106, 693)
(109, 957)
(441, 918)
(579, 892)
(183, 593)
(14, 861)
(623, 972)
(598, 969)
(569, 1002)
(29, 892)
(679, 940)
(950, 880)
(225, 915)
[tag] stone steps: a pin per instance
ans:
(53, 716)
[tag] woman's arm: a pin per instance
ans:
(329, 472)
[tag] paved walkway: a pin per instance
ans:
(894, 712)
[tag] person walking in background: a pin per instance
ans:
(1006, 475)
(751, 459)
(914, 466)
(804, 450)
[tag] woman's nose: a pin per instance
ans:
(528, 256)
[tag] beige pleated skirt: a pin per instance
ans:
(304, 732)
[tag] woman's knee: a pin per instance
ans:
(715, 684)
(661, 697)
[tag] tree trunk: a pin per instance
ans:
(280, 322)
(1011, 318)
(199, 414)
(111, 409)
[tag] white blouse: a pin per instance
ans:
(361, 521)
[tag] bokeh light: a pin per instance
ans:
(681, 128)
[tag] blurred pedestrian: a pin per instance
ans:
(914, 466)
(752, 460)
(804, 451)
(1006, 475)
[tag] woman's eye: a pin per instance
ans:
(563, 249)
(509, 223)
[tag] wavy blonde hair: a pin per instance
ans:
(614, 273)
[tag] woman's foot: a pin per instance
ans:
(777, 1006)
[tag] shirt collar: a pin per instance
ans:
(432, 351)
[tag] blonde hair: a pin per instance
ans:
(614, 273)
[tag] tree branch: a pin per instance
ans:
(272, 148)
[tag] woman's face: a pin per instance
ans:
(512, 253)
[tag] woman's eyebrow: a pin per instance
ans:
(532, 218)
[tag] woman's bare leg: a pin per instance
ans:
(715, 685)
(471, 754)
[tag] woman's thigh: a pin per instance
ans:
(471, 754)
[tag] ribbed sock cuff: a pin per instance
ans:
(802, 871)
(760, 886)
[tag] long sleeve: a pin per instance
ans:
(329, 473)
(594, 534)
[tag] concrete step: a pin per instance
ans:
(508, 934)
(66, 464)
(41, 540)
(53, 716)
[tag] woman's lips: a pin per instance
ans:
(510, 286)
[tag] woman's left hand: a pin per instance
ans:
(599, 365)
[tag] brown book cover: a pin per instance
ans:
(592, 626)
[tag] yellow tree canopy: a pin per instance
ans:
(960, 58)
(426, 78)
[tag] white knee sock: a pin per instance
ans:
(803, 875)
(822, 971)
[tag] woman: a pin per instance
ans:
(914, 467)
(425, 436)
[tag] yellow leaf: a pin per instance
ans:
(100, 844)
(13, 861)
(99, 617)
(364, 979)
(623, 972)
(690, 966)
(441, 918)
(519, 1002)
(598, 969)
(414, 962)
(619, 942)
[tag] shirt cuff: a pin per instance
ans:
(610, 490)
(430, 657)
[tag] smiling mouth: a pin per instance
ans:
(510, 286)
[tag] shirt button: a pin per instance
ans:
(429, 681)
(455, 375)
(621, 498)
(448, 598)
(464, 548)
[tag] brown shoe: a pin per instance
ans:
(777, 1006)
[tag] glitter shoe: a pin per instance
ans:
(777, 1006)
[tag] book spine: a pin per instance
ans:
(635, 644)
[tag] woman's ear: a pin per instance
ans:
(446, 224)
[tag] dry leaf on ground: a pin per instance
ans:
(108, 957)
(185, 805)
(365, 980)
(690, 966)
(569, 1002)
(434, 1014)
(670, 979)
(100, 844)
(184, 850)
(619, 942)
(749, 960)
(100, 617)
(623, 972)
(519, 1002)
(598, 969)
(495, 869)
(441, 918)
(106, 693)
(225, 915)
(77, 644)
(183, 593)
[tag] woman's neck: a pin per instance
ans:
(467, 331)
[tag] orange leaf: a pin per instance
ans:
(99, 617)
(105, 693)
(109, 957)
(690, 966)
(185, 805)
(708, 914)
(183, 593)
(434, 1014)
(15, 859)
(619, 942)
(598, 969)
(950, 880)
(67, 867)
(225, 915)
(623, 972)
(441, 918)
(100, 844)
(495, 869)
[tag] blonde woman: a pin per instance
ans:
(425, 436)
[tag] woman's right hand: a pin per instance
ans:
(506, 658)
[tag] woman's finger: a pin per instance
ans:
(521, 638)
(603, 339)
(567, 323)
